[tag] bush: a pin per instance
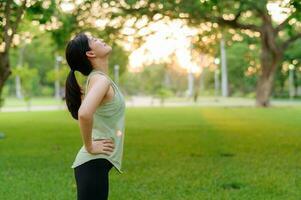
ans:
(47, 91)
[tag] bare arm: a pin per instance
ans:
(99, 87)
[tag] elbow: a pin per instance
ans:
(84, 116)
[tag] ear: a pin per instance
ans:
(90, 54)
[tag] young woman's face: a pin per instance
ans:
(98, 47)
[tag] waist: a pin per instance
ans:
(113, 134)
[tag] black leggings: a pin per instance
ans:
(92, 179)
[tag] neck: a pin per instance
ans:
(101, 64)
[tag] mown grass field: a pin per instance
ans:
(182, 153)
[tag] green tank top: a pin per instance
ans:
(108, 122)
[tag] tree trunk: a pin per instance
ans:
(271, 56)
(197, 81)
(264, 88)
(4, 70)
(224, 71)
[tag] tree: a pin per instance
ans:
(11, 14)
(8, 10)
(92, 17)
(27, 76)
(50, 16)
(243, 69)
(238, 14)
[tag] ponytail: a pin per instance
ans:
(73, 94)
(77, 60)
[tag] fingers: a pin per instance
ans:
(104, 140)
(107, 141)
(105, 146)
(108, 149)
(109, 145)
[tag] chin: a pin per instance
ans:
(109, 50)
(107, 53)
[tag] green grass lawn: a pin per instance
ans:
(35, 101)
(181, 153)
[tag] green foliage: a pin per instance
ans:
(152, 79)
(37, 12)
(28, 77)
(2, 101)
(240, 18)
(62, 35)
(149, 81)
(38, 54)
(118, 57)
(163, 93)
(47, 91)
(61, 75)
(292, 55)
(239, 59)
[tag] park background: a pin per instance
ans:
(212, 91)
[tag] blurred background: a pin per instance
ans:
(164, 52)
(212, 91)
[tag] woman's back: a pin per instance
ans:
(108, 123)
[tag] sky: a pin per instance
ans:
(168, 37)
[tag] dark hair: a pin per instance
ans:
(77, 60)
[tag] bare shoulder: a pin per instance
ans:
(98, 87)
(99, 79)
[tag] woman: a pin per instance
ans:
(100, 115)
